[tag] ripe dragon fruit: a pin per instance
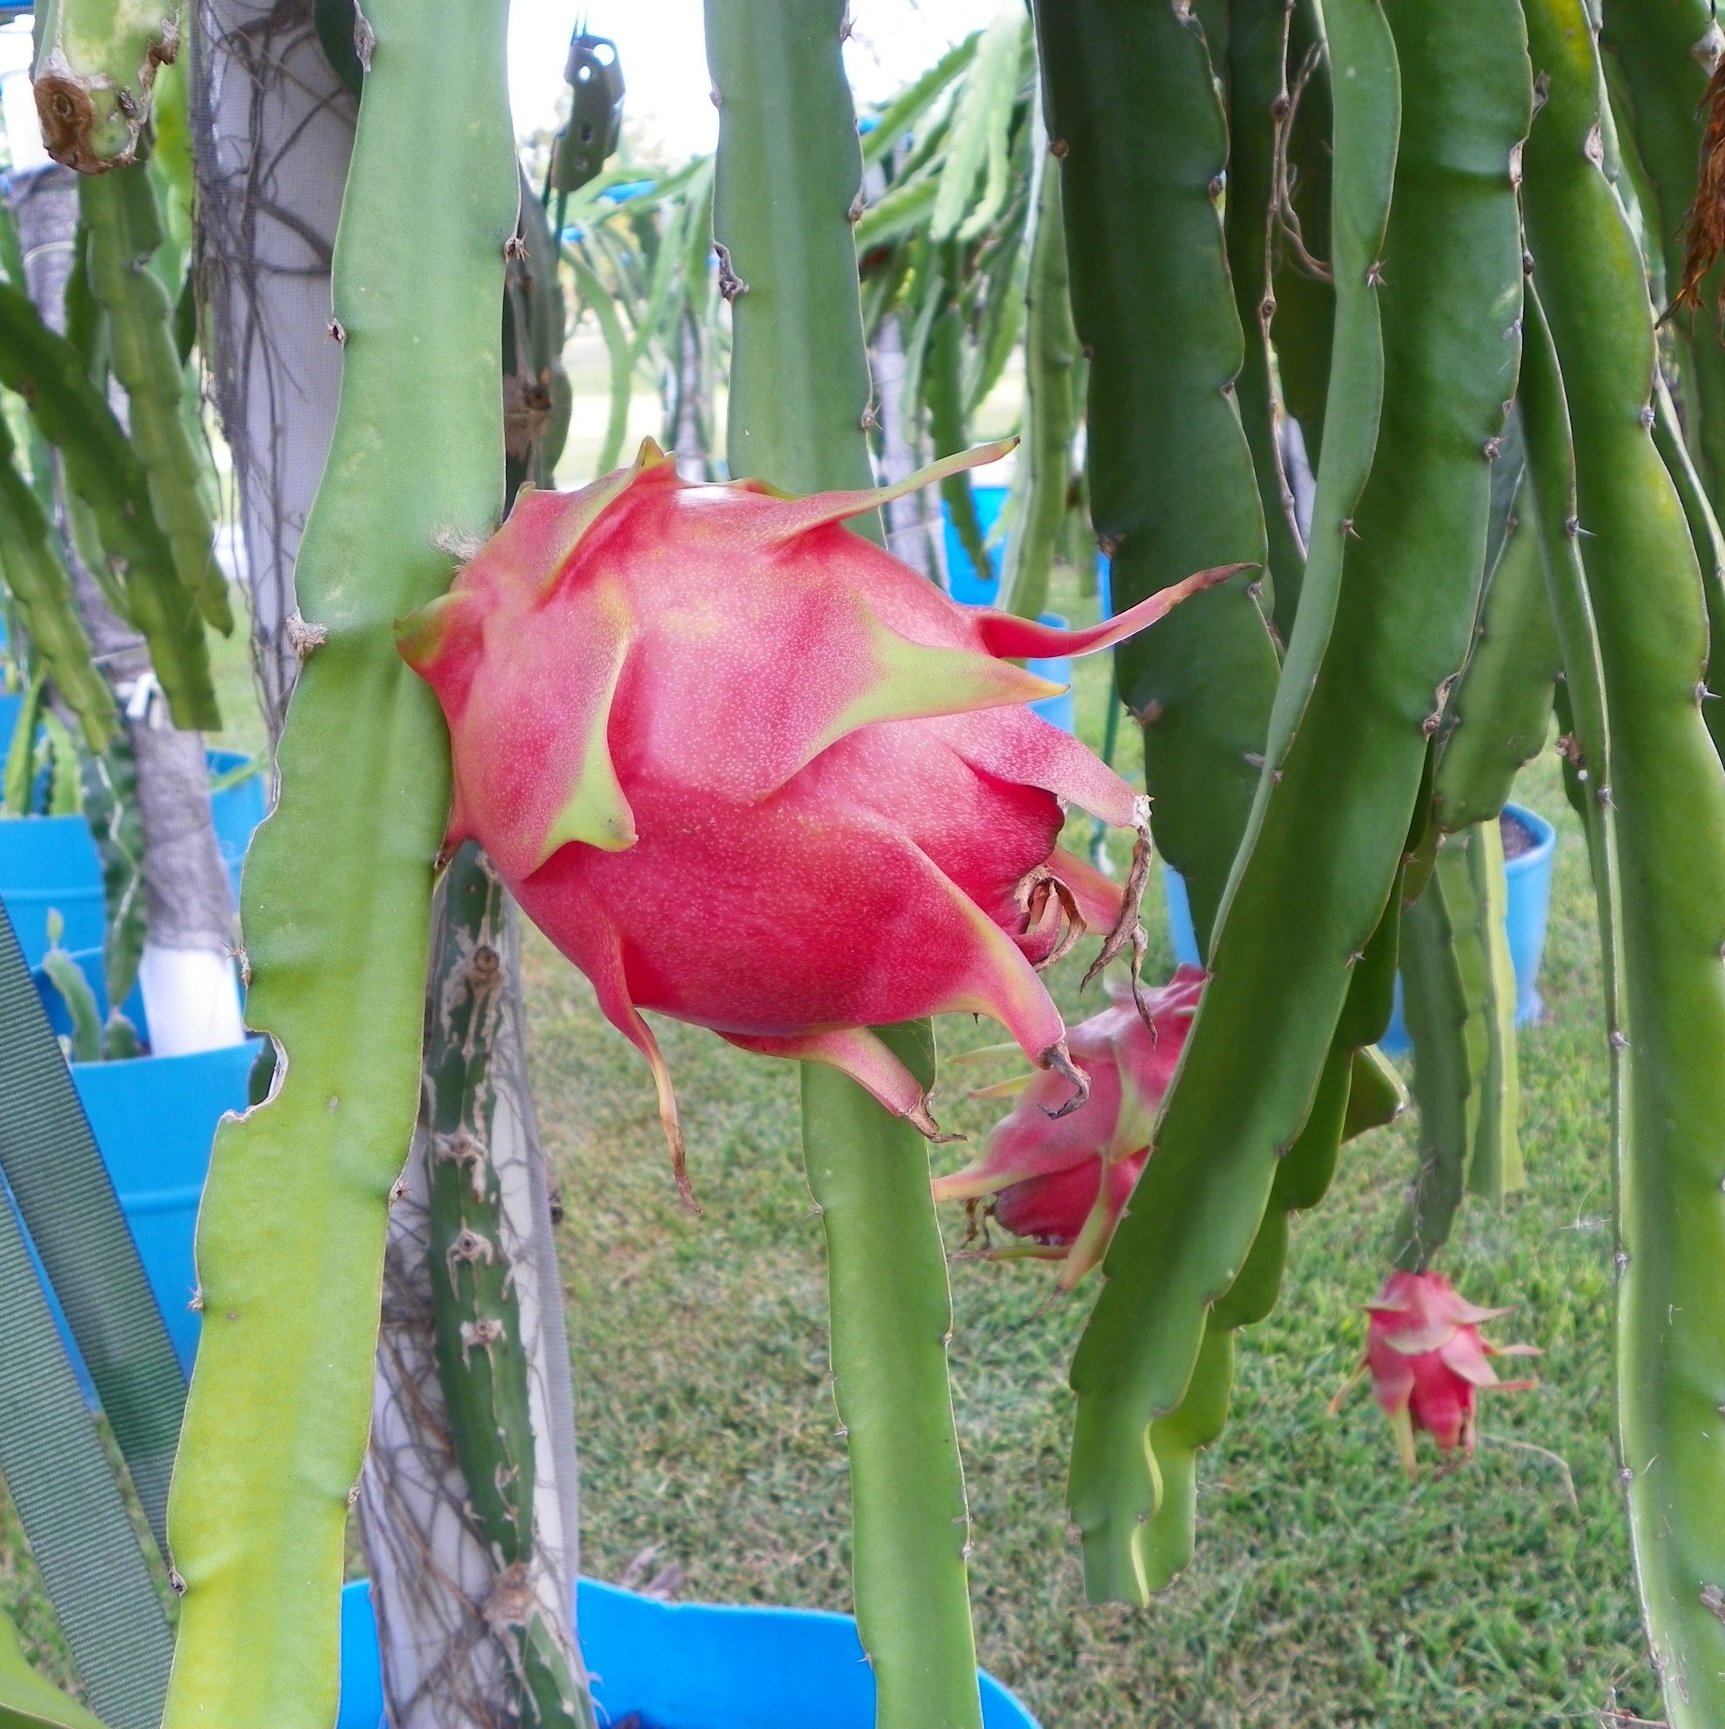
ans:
(1428, 1362)
(1063, 1181)
(746, 769)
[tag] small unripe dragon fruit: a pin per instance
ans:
(1428, 1362)
(1062, 1181)
(746, 769)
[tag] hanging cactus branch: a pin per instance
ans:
(291, 1235)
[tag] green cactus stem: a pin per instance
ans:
(1707, 540)
(1494, 1167)
(36, 577)
(95, 63)
(291, 1235)
(949, 430)
(1663, 55)
(482, 1354)
(104, 471)
(1302, 325)
(1667, 789)
(788, 172)
(1136, 122)
(1427, 301)
(1039, 502)
(1447, 1003)
(29, 1702)
(124, 235)
(1500, 710)
(1257, 91)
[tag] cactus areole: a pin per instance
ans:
(747, 770)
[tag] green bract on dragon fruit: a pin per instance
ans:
(748, 770)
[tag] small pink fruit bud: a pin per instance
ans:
(1063, 1182)
(747, 770)
(1428, 1361)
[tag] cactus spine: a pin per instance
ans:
(788, 174)
(290, 1239)
(1668, 792)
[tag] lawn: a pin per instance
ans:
(1326, 1589)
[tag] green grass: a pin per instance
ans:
(1326, 1590)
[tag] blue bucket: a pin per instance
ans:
(49, 863)
(968, 585)
(1527, 879)
(688, 1665)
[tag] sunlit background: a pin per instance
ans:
(669, 113)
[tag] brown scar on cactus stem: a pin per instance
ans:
(364, 38)
(514, 247)
(730, 283)
(67, 114)
(303, 637)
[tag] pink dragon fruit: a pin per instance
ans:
(1428, 1362)
(746, 769)
(1062, 1181)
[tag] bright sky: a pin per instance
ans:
(664, 57)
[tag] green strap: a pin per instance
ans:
(50, 1162)
(51, 1456)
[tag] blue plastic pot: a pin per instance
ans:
(688, 1666)
(50, 862)
(1528, 881)
(154, 1119)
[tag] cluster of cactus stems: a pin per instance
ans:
(106, 475)
(124, 236)
(787, 173)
